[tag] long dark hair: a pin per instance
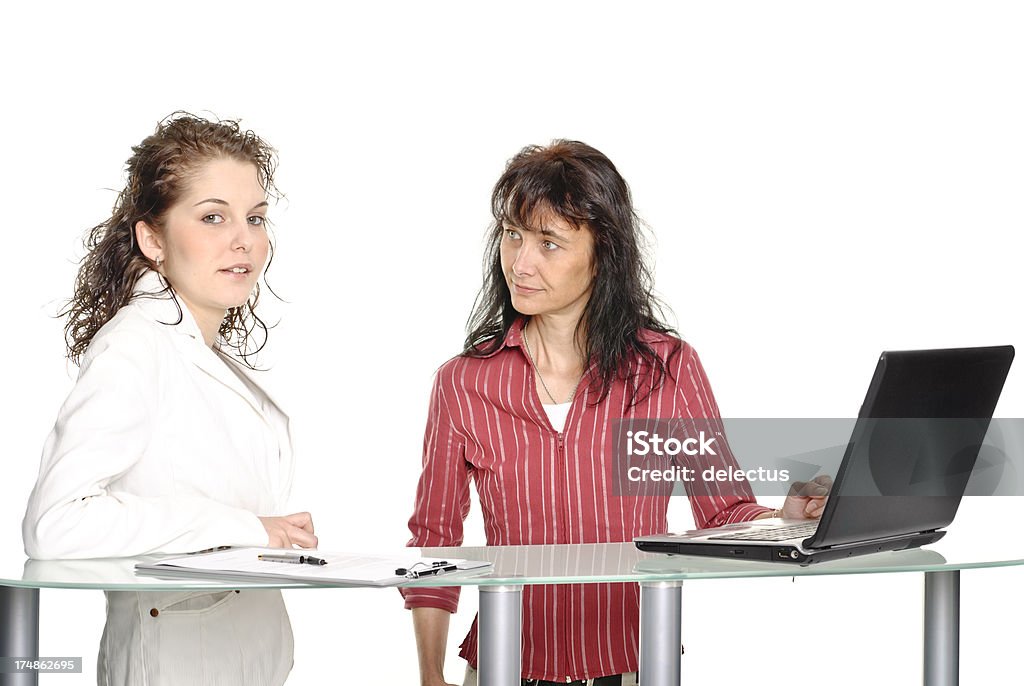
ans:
(157, 174)
(583, 187)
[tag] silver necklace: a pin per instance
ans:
(541, 376)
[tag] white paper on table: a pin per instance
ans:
(349, 568)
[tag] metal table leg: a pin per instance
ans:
(942, 628)
(19, 631)
(500, 627)
(661, 610)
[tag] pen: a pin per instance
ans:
(210, 550)
(402, 571)
(293, 559)
(432, 571)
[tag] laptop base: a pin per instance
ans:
(786, 554)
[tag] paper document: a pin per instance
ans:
(340, 568)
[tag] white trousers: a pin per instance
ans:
(195, 638)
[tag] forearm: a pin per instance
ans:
(121, 524)
(431, 627)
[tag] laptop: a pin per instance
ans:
(903, 474)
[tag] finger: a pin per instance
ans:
(824, 480)
(813, 489)
(278, 539)
(807, 489)
(815, 507)
(287, 541)
(303, 538)
(303, 520)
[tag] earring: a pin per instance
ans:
(159, 260)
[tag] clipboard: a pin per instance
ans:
(227, 563)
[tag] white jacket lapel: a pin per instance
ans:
(154, 300)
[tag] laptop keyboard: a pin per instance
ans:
(780, 534)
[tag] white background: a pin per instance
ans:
(823, 182)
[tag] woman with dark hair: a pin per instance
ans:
(166, 443)
(565, 338)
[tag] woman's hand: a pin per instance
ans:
(806, 499)
(290, 530)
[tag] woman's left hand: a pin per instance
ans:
(806, 499)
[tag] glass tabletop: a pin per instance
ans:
(546, 564)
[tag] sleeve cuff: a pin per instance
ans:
(442, 598)
(744, 512)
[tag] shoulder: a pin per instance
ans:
(684, 373)
(670, 349)
(129, 335)
(464, 375)
(459, 371)
(122, 372)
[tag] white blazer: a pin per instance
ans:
(164, 445)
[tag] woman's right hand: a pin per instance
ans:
(290, 530)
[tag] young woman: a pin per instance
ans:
(166, 442)
(565, 339)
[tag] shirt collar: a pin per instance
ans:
(154, 298)
(513, 337)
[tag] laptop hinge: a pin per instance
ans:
(804, 544)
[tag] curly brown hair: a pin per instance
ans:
(157, 174)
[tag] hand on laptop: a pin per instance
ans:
(806, 499)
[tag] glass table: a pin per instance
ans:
(500, 588)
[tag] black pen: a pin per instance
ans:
(293, 559)
(210, 550)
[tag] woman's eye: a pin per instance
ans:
(213, 219)
(512, 234)
(257, 220)
(548, 245)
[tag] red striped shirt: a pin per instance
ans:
(539, 486)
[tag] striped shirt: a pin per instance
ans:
(540, 486)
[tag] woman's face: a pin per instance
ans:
(549, 270)
(213, 244)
